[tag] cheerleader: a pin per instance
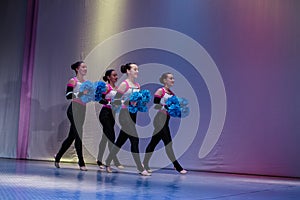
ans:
(76, 115)
(127, 120)
(161, 124)
(106, 118)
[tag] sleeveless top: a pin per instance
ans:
(128, 91)
(164, 97)
(109, 95)
(76, 89)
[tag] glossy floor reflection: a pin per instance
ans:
(22, 179)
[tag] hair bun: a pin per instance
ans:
(105, 78)
(161, 80)
(76, 65)
(126, 67)
(123, 69)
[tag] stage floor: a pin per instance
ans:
(25, 179)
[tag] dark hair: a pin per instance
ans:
(76, 65)
(107, 73)
(164, 76)
(126, 67)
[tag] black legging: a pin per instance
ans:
(76, 115)
(128, 131)
(161, 132)
(107, 120)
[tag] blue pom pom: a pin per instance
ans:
(100, 89)
(132, 109)
(86, 85)
(135, 96)
(141, 99)
(184, 109)
(146, 96)
(90, 88)
(183, 101)
(142, 108)
(177, 107)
